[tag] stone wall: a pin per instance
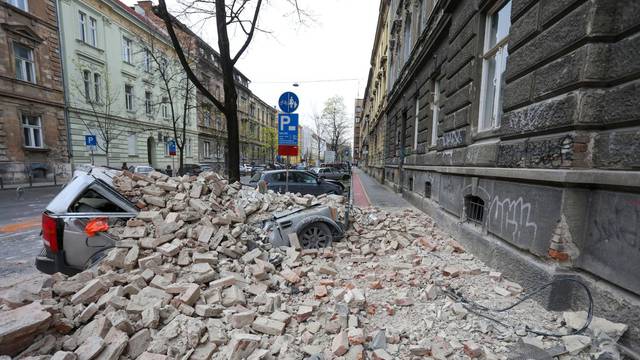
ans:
(559, 176)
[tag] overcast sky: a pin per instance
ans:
(335, 45)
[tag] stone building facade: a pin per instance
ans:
(255, 116)
(33, 132)
(515, 124)
(357, 121)
(113, 55)
(372, 129)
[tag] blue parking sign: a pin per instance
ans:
(90, 140)
(288, 129)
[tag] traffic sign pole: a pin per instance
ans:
(286, 183)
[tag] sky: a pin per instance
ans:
(333, 44)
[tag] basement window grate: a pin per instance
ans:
(474, 208)
(411, 184)
(427, 189)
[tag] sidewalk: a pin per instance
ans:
(369, 192)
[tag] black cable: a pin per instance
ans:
(474, 307)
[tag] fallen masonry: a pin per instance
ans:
(194, 277)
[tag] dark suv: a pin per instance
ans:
(300, 181)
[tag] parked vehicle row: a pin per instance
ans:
(300, 181)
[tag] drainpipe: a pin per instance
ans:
(64, 81)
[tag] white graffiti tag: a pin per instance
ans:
(512, 215)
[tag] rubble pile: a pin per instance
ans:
(193, 276)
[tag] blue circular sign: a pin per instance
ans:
(288, 102)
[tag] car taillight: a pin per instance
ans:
(50, 232)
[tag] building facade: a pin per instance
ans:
(357, 121)
(514, 123)
(33, 132)
(124, 85)
(373, 124)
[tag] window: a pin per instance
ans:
(126, 49)
(82, 17)
(97, 85)
(86, 79)
(207, 149)
(25, 67)
(148, 107)
(189, 147)
(408, 41)
(32, 130)
(415, 132)
(474, 208)
(207, 118)
(493, 66)
(427, 189)
(218, 121)
(421, 15)
(301, 177)
(93, 31)
(20, 4)
(165, 107)
(147, 60)
(128, 97)
(131, 142)
(435, 107)
(411, 183)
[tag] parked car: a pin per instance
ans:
(90, 197)
(330, 173)
(300, 181)
(257, 168)
(205, 167)
(141, 169)
(245, 169)
(191, 169)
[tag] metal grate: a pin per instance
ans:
(411, 184)
(427, 189)
(474, 208)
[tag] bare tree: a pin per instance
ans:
(334, 120)
(103, 102)
(319, 130)
(178, 93)
(228, 14)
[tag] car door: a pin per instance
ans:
(307, 183)
(98, 200)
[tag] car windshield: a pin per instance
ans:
(256, 177)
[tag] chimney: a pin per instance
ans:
(146, 6)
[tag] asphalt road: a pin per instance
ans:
(20, 231)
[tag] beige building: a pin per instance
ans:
(33, 133)
(372, 128)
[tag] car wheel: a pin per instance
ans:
(315, 236)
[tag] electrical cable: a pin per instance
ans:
(478, 309)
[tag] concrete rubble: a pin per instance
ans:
(194, 277)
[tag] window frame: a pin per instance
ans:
(500, 52)
(128, 97)
(148, 62)
(82, 21)
(148, 106)
(14, 3)
(93, 31)
(30, 141)
(86, 81)
(97, 87)
(28, 63)
(206, 149)
(131, 144)
(165, 108)
(127, 45)
(435, 112)
(416, 123)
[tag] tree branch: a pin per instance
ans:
(250, 35)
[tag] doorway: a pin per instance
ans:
(151, 151)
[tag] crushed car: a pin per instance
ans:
(75, 223)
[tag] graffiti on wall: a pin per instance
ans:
(513, 216)
(452, 138)
(547, 153)
(620, 224)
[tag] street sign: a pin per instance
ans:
(91, 141)
(172, 148)
(288, 102)
(288, 134)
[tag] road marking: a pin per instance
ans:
(25, 224)
(360, 196)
